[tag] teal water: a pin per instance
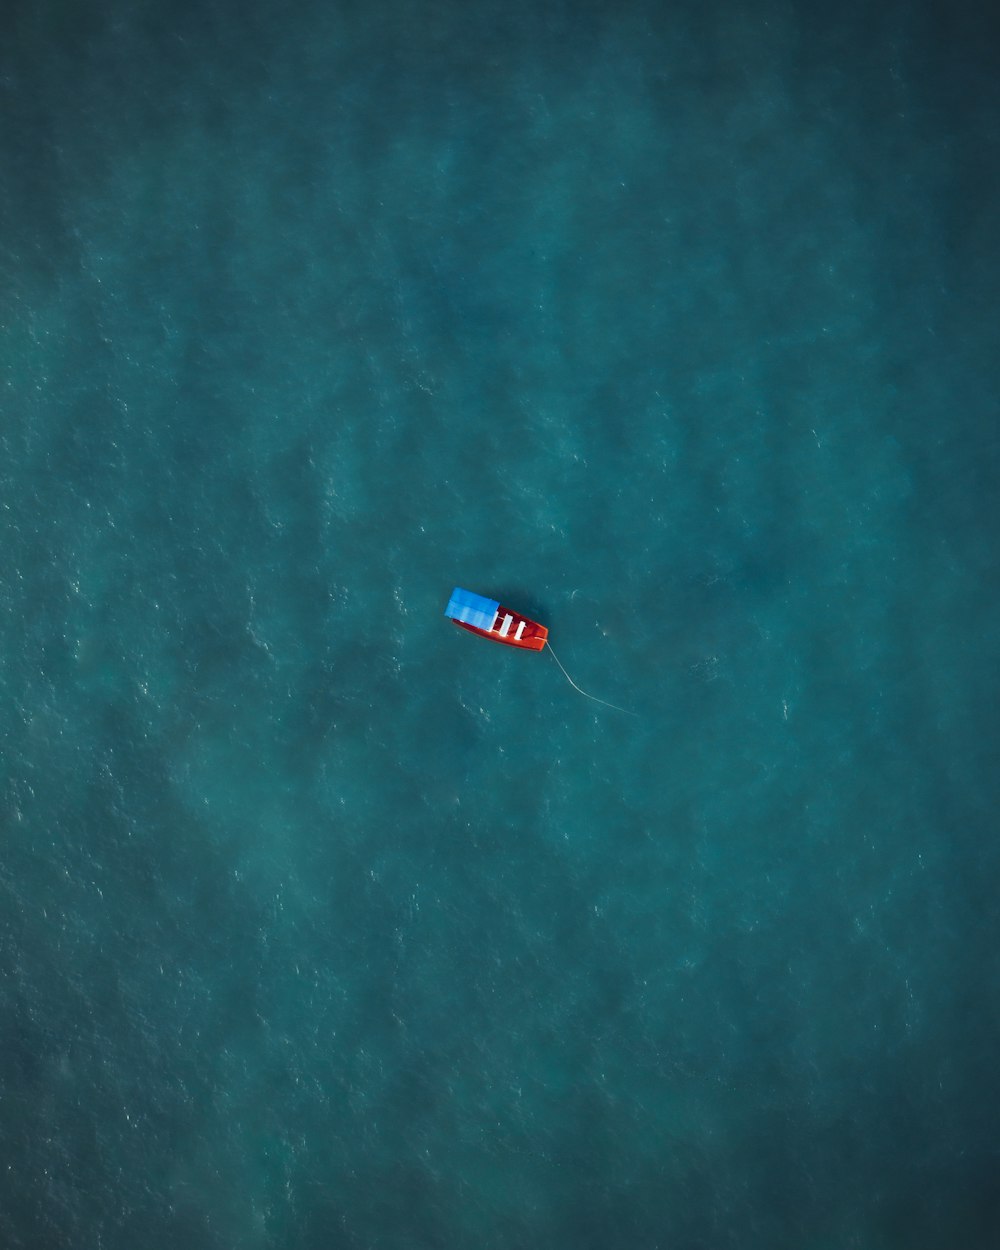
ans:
(325, 925)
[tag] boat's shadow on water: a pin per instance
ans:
(517, 599)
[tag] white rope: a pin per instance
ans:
(583, 692)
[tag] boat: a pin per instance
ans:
(489, 619)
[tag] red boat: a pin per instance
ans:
(488, 619)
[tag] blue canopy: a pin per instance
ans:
(472, 609)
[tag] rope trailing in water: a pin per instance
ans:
(583, 692)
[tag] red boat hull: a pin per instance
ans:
(532, 638)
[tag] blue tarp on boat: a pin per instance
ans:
(472, 609)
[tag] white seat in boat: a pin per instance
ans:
(505, 627)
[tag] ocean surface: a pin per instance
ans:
(325, 925)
